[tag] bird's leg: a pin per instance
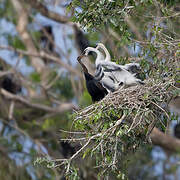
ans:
(116, 86)
(121, 85)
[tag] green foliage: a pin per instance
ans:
(36, 35)
(119, 127)
(46, 161)
(7, 10)
(35, 77)
(85, 99)
(97, 13)
(73, 173)
(16, 42)
(118, 151)
(63, 87)
(47, 124)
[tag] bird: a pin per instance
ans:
(111, 75)
(177, 130)
(80, 38)
(131, 67)
(107, 81)
(102, 46)
(94, 87)
(45, 43)
(9, 82)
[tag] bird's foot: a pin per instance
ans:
(121, 85)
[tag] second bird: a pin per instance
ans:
(94, 87)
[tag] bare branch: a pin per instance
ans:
(61, 108)
(45, 12)
(165, 141)
(21, 28)
(43, 54)
(133, 28)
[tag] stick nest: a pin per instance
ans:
(121, 122)
(137, 106)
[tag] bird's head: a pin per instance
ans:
(98, 45)
(86, 51)
(80, 57)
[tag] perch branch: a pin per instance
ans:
(45, 12)
(43, 54)
(165, 141)
(61, 108)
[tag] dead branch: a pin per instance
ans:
(21, 28)
(133, 27)
(43, 54)
(61, 108)
(45, 12)
(165, 141)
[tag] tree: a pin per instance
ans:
(114, 135)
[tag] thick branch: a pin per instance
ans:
(45, 12)
(133, 27)
(63, 107)
(43, 54)
(26, 38)
(165, 141)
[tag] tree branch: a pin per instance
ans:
(21, 28)
(165, 141)
(45, 12)
(61, 108)
(43, 54)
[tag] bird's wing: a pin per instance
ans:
(132, 67)
(96, 87)
(99, 72)
(109, 66)
(100, 86)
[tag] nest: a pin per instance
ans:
(137, 106)
(120, 123)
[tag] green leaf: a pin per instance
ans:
(35, 77)
(47, 124)
(88, 150)
(16, 42)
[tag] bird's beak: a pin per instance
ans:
(84, 53)
(80, 57)
(96, 46)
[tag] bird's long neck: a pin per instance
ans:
(108, 57)
(99, 55)
(83, 66)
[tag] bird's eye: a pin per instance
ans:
(83, 52)
(86, 52)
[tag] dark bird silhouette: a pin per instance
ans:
(177, 130)
(94, 87)
(44, 41)
(80, 39)
(10, 83)
(47, 42)
(67, 149)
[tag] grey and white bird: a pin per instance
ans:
(102, 75)
(111, 75)
(131, 67)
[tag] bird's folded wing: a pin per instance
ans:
(100, 86)
(132, 67)
(96, 86)
(111, 66)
